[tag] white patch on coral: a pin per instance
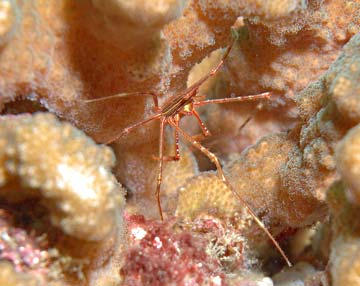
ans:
(77, 180)
(158, 243)
(4, 11)
(138, 233)
(266, 281)
(217, 281)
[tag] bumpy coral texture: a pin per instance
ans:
(255, 174)
(282, 55)
(10, 16)
(343, 199)
(25, 252)
(348, 162)
(206, 193)
(75, 183)
(78, 51)
(311, 167)
(55, 55)
(59, 169)
(330, 109)
(9, 276)
(344, 257)
(294, 170)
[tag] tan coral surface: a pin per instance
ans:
(68, 171)
(344, 258)
(206, 193)
(9, 277)
(285, 176)
(65, 172)
(10, 16)
(348, 163)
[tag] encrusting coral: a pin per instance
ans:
(57, 55)
(10, 17)
(9, 277)
(63, 171)
(343, 198)
(348, 163)
(74, 181)
(285, 177)
(61, 79)
(282, 55)
(345, 246)
(255, 174)
(311, 169)
(205, 193)
(92, 30)
(139, 174)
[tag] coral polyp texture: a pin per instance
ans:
(292, 158)
(205, 193)
(67, 170)
(55, 168)
(10, 15)
(348, 164)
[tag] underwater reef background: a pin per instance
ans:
(77, 211)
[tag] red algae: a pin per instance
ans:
(159, 254)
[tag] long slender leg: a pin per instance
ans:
(161, 157)
(176, 157)
(197, 84)
(216, 161)
(250, 117)
(132, 127)
(120, 95)
(234, 99)
(208, 153)
(176, 139)
(204, 129)
(246, 121)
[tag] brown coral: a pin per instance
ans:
(311, 168)
(93, 30)
(139, 174)
(282, 55)
(71, 51)
(294, 170)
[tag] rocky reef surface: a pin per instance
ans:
(77, 211)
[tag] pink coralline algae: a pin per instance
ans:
(26, 251)
(161, 254)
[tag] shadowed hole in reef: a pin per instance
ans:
(22, 106)
(32, 243)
